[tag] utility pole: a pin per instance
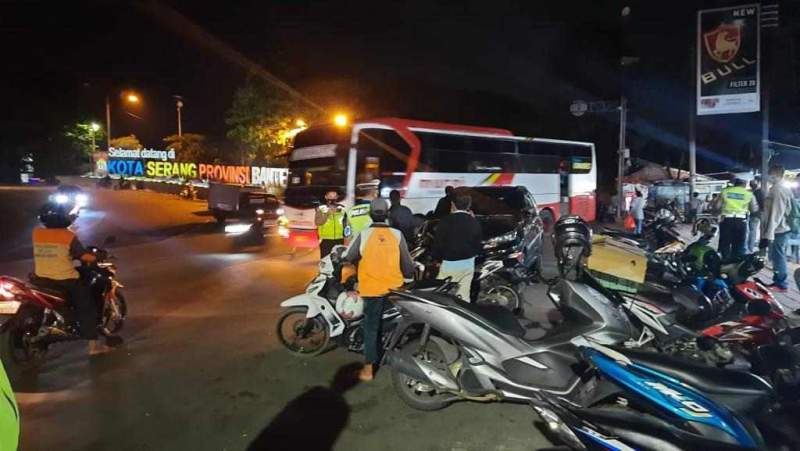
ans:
(108, 123)
(769, 21)
(692, 119)
(622, 153)
(178, 106)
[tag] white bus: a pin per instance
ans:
(421, 158)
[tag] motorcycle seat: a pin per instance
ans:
(740, 391)
(499, 317)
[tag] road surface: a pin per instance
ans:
(201, 368)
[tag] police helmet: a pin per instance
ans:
(55, 216)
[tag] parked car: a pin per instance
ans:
(510, 221)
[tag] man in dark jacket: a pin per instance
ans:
(401, 217)
(458, 241)
(445, 204)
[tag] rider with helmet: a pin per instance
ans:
(54, 249)
(383, 264)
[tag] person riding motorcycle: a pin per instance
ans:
(54, 249)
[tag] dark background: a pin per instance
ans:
(515, 65)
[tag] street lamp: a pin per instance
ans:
(178, 106)
(130, 97)
(94, 127)
(301, 123)
(340, 119)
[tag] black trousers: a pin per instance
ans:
(732, 237)
(78, 294)
(326, 246)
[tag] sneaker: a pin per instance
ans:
(777, 288)
(366, 374)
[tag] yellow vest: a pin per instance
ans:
(379, 268)
(358, 218)
(735, 200)
(333, 229)
(51, 256)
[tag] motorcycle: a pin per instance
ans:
(644, 400)
(33, 318)
(500, 282)
(658, 235)
(329, 310)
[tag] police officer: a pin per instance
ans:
(331, 221)
(734, 203)
(358, 217)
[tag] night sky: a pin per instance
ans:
(515, 65)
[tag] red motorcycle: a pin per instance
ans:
(33, 318)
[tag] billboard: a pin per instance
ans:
(728, 54)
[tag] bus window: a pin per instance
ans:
(380, 153)
(454, 153)
(569, 157)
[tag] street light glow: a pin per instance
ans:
(94, 126)
(132, 98)
(340, 119)
(300, 123)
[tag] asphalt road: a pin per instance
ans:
(201, 368)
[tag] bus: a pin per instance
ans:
(421, 158)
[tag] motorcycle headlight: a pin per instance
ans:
(81, 200)
(498, 240)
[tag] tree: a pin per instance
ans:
(82, 135)
(126, 142)
(263, 120)
(191, 147)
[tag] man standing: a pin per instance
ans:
(445, 204)
(775, 226)
(400, 216)
(637, 210)
(754, 229)
(331, 221)
(383, 263)
(696, 206)
(457, 242)
(734, 203)
(358, 217)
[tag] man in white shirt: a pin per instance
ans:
(775, 227)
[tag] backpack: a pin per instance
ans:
(793, 216)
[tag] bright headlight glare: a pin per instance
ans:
(280, 212)
(237, 228)
(259, 211)
(61, 198)
(81, 199)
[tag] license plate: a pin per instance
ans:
(9, 307)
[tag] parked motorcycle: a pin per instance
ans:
(658, 235)
(329, 310)
(501, 281)
(644, 400)
(33, 318)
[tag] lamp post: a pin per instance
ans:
(178, 106)
(130, 97)
(94, 127)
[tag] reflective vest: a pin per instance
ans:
(333, 229)
(379, 268)
(735, 201)
(9, 414)
(52, 258)
(358, 218)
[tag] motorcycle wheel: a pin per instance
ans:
(303, 336)
(499, 292)
(16, 351)
(114, 315)
(416, 394)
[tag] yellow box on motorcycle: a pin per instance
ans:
(617, 265)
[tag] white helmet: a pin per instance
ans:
(349, 305)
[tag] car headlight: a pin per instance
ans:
(236, 229)
(259, 211)
(61, 198)
(81, 200)
(498, 240)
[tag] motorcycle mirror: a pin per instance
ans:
(111, 239)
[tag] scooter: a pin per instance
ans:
(329, 311)
(32, 318)
(650, 401)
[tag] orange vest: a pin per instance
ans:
(379, 267)
(51, 256)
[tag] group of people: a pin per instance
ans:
(378, 233)
(752, 220)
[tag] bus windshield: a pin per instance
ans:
(319, 158)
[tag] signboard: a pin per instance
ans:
(160, 164)
(728, 60)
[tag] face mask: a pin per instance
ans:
(330, 201)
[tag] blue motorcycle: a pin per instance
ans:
(649, 401)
